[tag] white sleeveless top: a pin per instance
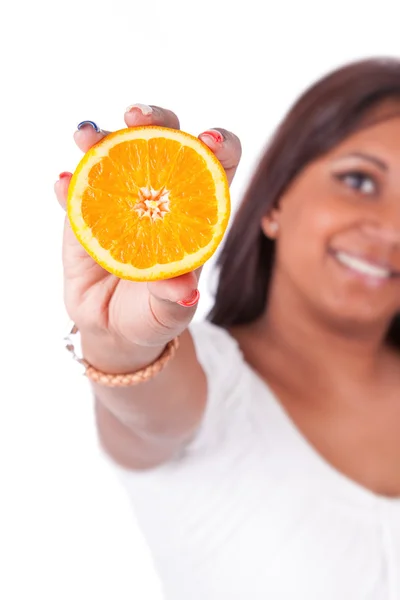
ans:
(251, 511)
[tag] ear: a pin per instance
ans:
(270, 224)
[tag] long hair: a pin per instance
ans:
(326, 114)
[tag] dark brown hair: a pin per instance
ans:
(326, 114)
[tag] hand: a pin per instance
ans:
(118, 313)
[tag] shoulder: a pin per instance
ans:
(227, 376)
(215, 348)
(219, 356)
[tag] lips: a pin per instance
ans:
(366, 266)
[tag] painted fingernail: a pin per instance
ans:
(144, 109)
(91, 123)
(191, 301)
(214, 134)
(64, 174)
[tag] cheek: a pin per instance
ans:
(306, 230)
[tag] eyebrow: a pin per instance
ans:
(369, 157)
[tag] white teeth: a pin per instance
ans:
(362, 266)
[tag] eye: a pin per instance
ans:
(359, 181)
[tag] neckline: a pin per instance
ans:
(354, 489)
(326, 468)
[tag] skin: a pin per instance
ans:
(125, 326)
(328, 322)
(324, 320)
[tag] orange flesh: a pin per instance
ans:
(183, 200)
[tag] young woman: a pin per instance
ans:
(263, 457)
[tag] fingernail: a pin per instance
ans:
(191, 301)
(91, 123)
(144, 109)
(64, 174)
(214, 134)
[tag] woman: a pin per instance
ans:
(263, 458)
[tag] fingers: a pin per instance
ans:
(225, 144)
(61, 188)
(142, 114)
(226, 147)
(88, 134)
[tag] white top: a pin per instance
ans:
(251, 511)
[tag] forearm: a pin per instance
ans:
(167, 406)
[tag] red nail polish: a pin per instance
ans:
(191, 301)
(214, 134)
(64, 174)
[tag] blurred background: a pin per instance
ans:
(66, 530)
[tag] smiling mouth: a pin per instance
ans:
(365, 267)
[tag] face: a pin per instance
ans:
(338, 241)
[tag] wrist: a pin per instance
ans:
(115, 356)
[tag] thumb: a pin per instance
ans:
(155, 312)
(173, 302)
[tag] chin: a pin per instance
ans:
(356, 316)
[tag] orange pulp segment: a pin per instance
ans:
(149, 203)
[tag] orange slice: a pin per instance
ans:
(149, 203)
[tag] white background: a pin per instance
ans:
(66, 530)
